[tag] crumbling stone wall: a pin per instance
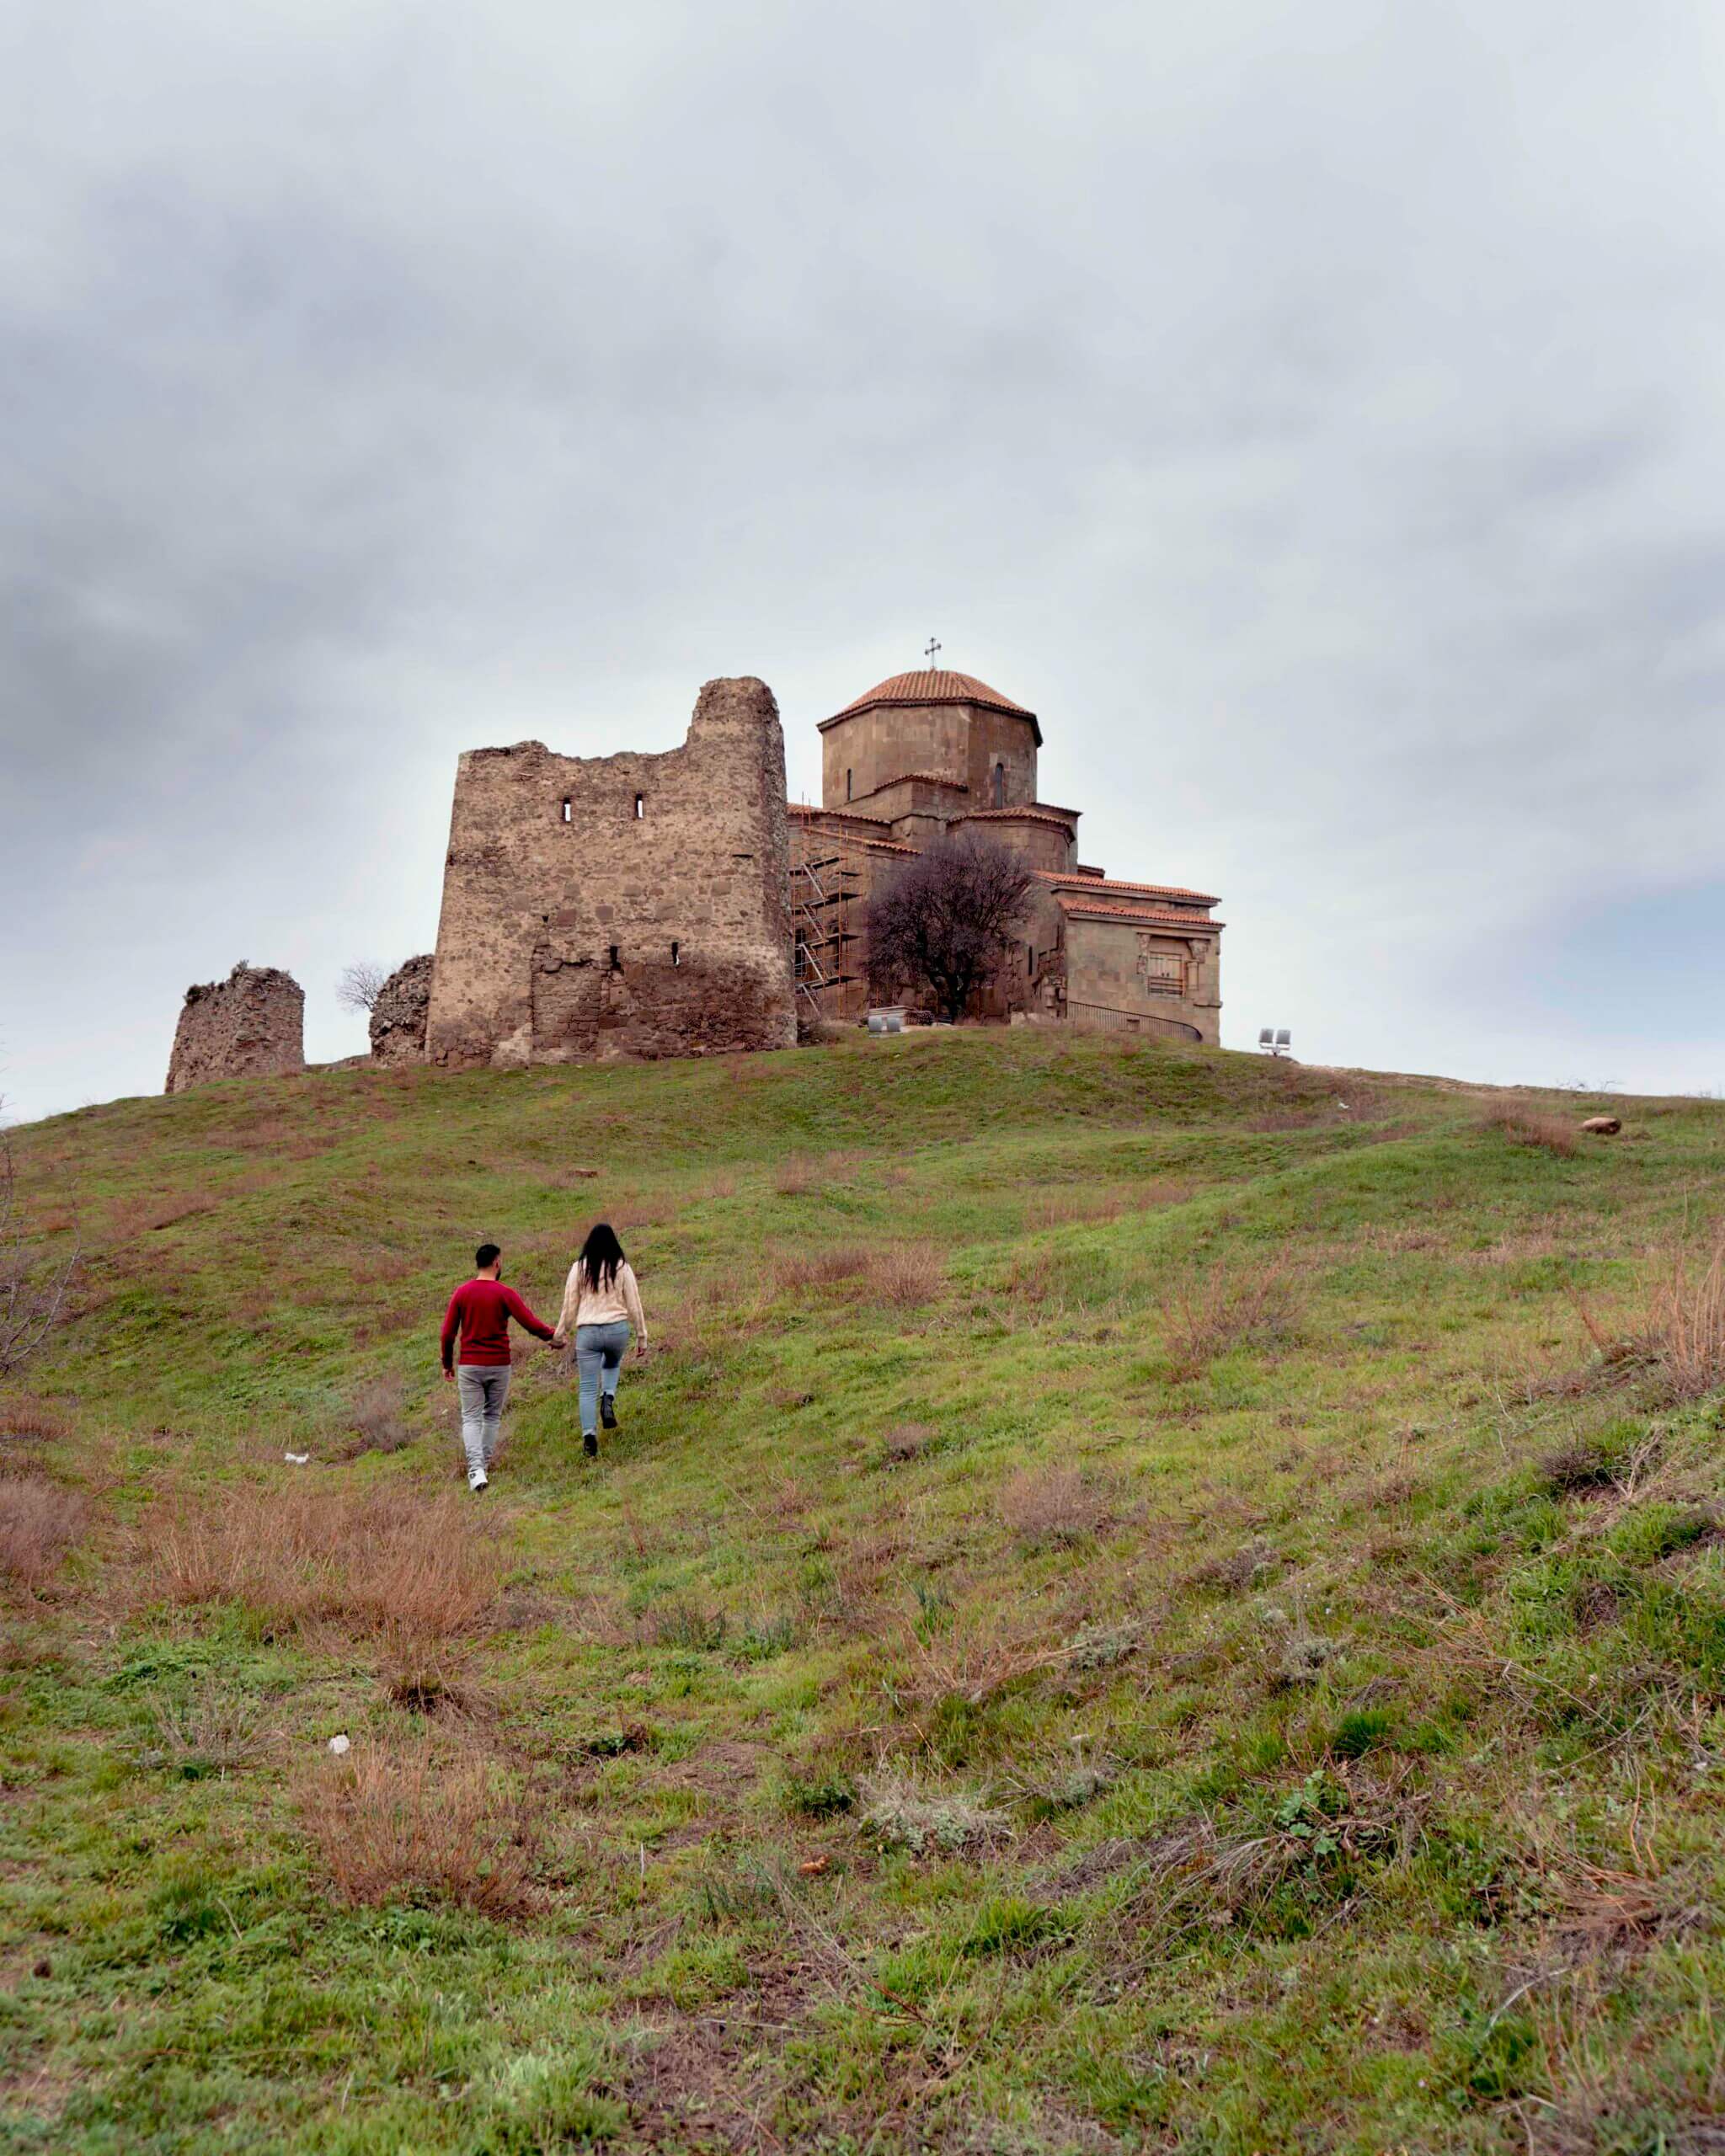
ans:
(399, 1015)
(619, 906)
(252, 1025)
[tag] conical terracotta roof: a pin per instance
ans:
(936, 685)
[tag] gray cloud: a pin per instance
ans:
(1312, 414)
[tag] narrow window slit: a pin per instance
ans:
(569, 810)
(676, 953)
(640, 806)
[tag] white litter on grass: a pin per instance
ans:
(296, 1458)
(340, 1746)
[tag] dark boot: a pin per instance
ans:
(607, 1410)
(589, 1444)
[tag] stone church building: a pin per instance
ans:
(931, 753)
(678, 904)
(596, 907)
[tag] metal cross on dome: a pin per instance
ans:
(929, 649)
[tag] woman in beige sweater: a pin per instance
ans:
(600, 1302)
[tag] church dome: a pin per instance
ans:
(935, 684)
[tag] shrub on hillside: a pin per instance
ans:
(24, 1420)
(1684, 1333)
(905, 1442)
(678, 1622)
(1615, 1457)
(209, 1734)
(905, 1277)
(376, 1418)
(822, 1268)
(404, 1822)
(1254, 1305)
(1529, 1126)
(39, 1523)
(798, 1177)
(904, 1817)
(1052, 1507)
(386, 1562)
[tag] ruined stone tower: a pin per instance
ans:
(619, 906)
(252, 1025)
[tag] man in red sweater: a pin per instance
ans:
(480, 1311)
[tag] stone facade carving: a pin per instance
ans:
(252, 1025)
(619, 906)
(925, 754)
(399, 1015)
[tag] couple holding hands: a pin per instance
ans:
(601, 1306)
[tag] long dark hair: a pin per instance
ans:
(601, 1254)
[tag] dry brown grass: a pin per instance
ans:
(1195, 1877)
(376, 1419)
(416, 1823)
(1683, 1334)
(1073, 1206)
(822, 1268)
(1529, 1126)
(31, 1420)
(980, 1658)
(907, 1441)
(1060, 1209)
(39, 1523)
(903, 1275)
(130, 1217)
(1230, 1307)
(799, 1176)
(906, 1276)
(208, 1733)
(929, 1822)
(1052, 1507)
(429, 1676)
(386, 1563)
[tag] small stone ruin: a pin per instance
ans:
(399, 1015)
(252, 1025)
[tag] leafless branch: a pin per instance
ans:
(359, 984)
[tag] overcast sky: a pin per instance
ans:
(1315, 413)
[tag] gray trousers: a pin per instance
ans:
(482, 1388)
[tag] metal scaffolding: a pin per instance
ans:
(821, 896)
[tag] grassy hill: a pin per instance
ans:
(1144, 1600)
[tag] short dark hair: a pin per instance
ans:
(487, 1254)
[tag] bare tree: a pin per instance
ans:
(33, 1286)
(947, 922)
(360, 984)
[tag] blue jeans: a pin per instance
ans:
(599, 1355)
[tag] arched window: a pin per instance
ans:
(997, 786)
